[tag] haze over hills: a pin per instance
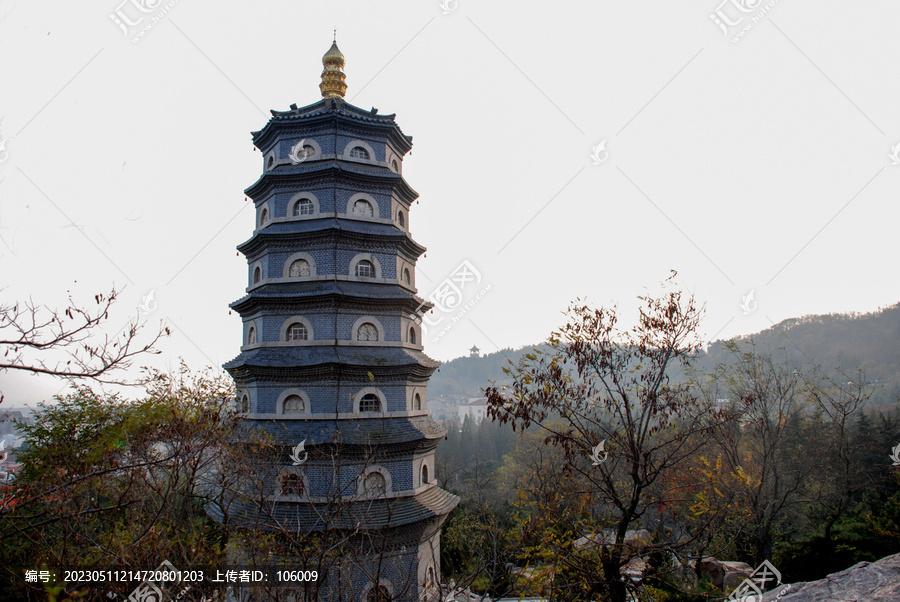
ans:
(869, 342)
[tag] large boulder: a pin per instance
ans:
(735, 574)
(725, 574)
(636, 539)
(867, 581)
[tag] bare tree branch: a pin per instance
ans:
(70, 343)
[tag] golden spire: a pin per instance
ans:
(333, 84)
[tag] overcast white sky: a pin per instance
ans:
(760, 164)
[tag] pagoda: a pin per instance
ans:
(332, 368)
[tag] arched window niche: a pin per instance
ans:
(293, 403)
(369, 401)
(305, 149)
(363, 206)
(252, 336)
(365, 266)
(303, 205)
(367, 329)
(296, 329)
(291, 483)
(359, 151)
(375, 482)
(299, 265)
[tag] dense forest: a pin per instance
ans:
(783, 454)
(519, 509)
(854, 342)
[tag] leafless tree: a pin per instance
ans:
(760, 447)
(71, 343)
(838, 473)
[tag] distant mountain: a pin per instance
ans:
(469, 375)
(870, 342)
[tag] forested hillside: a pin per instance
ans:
(469, 375)
(870, 342)
(850, 342)
(603, 473)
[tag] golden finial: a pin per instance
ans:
(333, 84)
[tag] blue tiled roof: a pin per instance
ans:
(342, 107)
(306, 291)
(360, 431)
(329, 109)
(291, 357)
(352, 226)
(314, 165)
(319, 167)
(375, 290)
(366, 514)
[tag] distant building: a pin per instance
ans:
(474, 351)
(8, 418)
(10, 439)
(476, 408)
(8, 428)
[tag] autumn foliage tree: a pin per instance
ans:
(121, 484)
(603, 384)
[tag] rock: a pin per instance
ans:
(726, 575)
(635, 568)
(735, 573)
(712, 567)
(636, 539)
(867, 581)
